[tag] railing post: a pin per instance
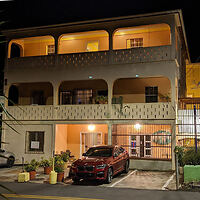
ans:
(177, 171)
(195, 128)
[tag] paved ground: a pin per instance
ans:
(151, 180)
(25, 191)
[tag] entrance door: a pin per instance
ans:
(88, 140)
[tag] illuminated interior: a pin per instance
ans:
(82, 92)
(79, 137)
(144, 141)
(31, 94)
(32, 46)
(83, 42)
(133, 89)
(142, 36)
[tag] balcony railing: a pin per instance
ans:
(93, 112)
(123, 56)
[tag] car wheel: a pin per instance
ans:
(126, 167)
(10, 161)
(109, 175)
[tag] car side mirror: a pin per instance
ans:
(84, 154)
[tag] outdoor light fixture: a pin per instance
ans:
(136, 75)
(90, 77)
(137, 126)
(91, 127)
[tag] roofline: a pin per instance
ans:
(184, 32)
(94, 21)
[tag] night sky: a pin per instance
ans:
(28, 13)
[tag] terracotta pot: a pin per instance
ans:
(47, 170)
(60, 177)
(32, 175)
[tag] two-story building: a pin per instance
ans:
(109, 81)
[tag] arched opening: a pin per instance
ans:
(90, 92)
(32, 46)
(15, 50)
(32, 93)
(143, 90)
(83, 42)
(142, 36)
(13, 95)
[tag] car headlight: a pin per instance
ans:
(101, 166)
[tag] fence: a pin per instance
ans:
(150, 142)
(188, 126)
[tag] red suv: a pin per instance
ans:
(100, 163)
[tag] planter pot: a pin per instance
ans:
(32, 175)
(47, 170)
(60, 177)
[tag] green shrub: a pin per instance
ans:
(59, 164)
(179, 152)
(65, 156)
(190, 157)
(32, 166)
(45, 162)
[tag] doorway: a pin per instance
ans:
(88, 140)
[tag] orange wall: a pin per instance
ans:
(80, 45)
(73, 136)
(133, 90)
(157, 38)
(61, 138)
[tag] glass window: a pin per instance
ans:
(151, 94)
(134, 43)
(35, 141)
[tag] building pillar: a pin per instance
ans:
(55, 94)
(109, 133)
(110, 95)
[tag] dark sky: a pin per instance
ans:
(27, 13)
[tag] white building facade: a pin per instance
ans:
(121, 75)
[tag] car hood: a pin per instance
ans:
(92, 160)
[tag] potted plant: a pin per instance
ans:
(47, 165)
(31, 168)
(101, 99)
(59, 168)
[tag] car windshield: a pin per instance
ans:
(99, 152)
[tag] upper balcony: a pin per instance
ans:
(128, 45)
(132, 98)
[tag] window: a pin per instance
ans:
(134, 43)
(151, 94)
(148, 145)
(83, 97)
(35, 142)
(50, 49)
(65, 98)
(93, 46)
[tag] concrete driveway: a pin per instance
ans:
(151, 180)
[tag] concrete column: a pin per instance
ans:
(110, 32)
(110, 95)
(55, 93)
(56, 37)
(109, 133)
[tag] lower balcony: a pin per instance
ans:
(142, 111)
